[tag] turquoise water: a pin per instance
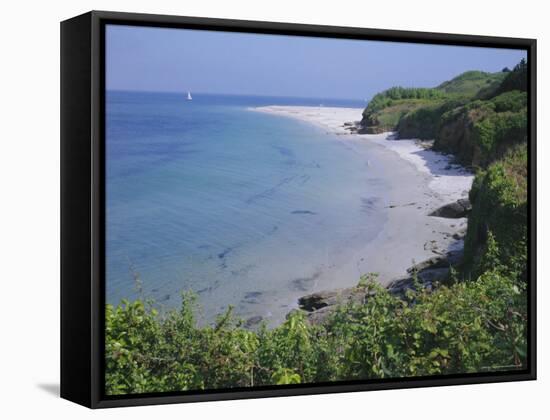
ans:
(242, 207)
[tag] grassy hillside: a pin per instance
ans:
(465, 116)
(471, 83)
(386, 109)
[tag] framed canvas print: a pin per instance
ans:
(255, 209)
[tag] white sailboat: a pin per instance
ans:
(189, 97)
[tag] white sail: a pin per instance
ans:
(189, 97)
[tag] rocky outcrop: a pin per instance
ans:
(321, 304)
(451, 258)
(428, 273)
(372, 129)
(456, 210)
(352, 127)
(326, 298)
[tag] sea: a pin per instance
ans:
(244, 208)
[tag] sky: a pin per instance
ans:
(178, 60)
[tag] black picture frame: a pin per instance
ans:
(83, 198)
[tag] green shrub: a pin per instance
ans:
(482, 131)
(467, 327)
(512, 101)
(499, 211)
(389, 96)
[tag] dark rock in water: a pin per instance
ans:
(253, 321)
(252, 297)
(285, 151)
(316, 300)
(224, 253)
(303, 284)
(392, 206)
(368, 204)
(303, 212)
(455, 210)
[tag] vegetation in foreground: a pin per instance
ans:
(476, 322)
(469, 326)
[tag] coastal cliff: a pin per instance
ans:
(481, 119)
(476, 116)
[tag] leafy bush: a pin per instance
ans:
(467, 327)
(511, 101)
(464, 328)
(481, 131)
(402, 100)
(499, 215)
(423, 122)
(496, 133)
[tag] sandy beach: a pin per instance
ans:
(422, 181)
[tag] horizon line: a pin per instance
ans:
(233, 94)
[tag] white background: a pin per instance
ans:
(29, 176)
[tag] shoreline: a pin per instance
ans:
(433, 180)
(442, 169)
